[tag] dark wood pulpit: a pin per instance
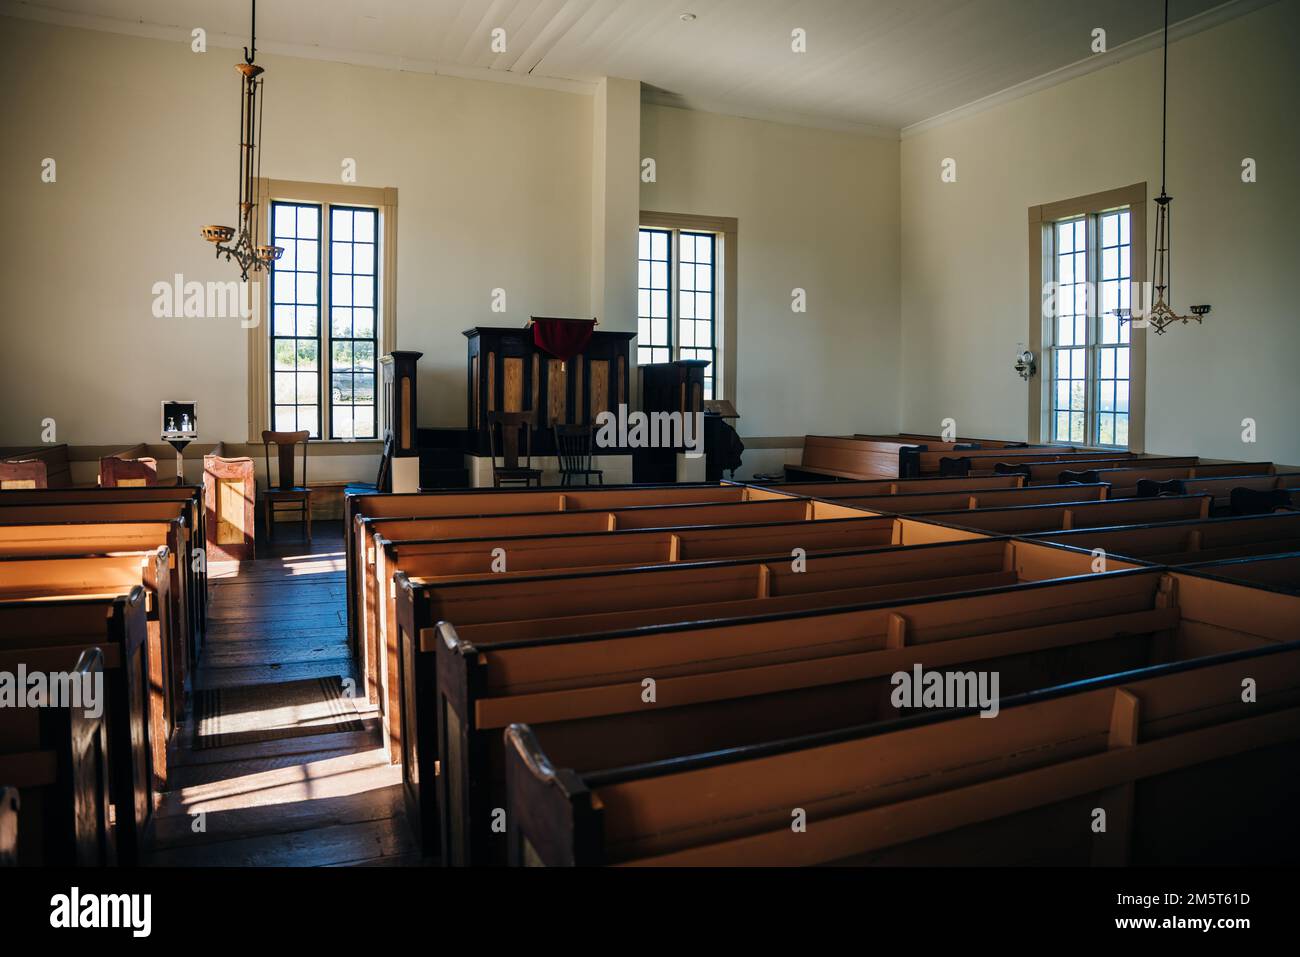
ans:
(507, 373)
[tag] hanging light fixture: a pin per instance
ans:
(1161, 315)
(245, 249)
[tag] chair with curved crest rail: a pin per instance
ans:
(574, 446)
(510, 472)
(285, 491)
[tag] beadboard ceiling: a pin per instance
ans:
(872, 64)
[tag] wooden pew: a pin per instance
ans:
(1221, 487)
(190, 495)
(57, 813)
(1181, 543)
(98, 538)
(847, 489)
(830, 456)
(1187, 772)
(117, 574)
(50, 635)
(128, 468)
(375, 580)
(22, 475)
(1125, 480)
(1022, 519)
(978, 498)
(935, 441)
(482, 687)
(1271, 571)
(229, 499)
(58, 470)
(976, 461)
(498, 502)
(1053, 473)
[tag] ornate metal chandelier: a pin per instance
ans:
(245, 249)
(1161, 315)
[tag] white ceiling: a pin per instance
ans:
(884, 64)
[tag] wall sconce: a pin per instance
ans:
(1025, 365)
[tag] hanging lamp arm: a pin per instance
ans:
(251, 54)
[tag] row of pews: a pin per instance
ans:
(705, 674)
(103, 595)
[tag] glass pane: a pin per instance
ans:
(284, 354)
(341, 256)
(308, 222)
(341, 290)
(306, 387)
(363, 225)
(363, 259)
(363, 323)
(308, 352)
(1121, 430)
(284, 387)
(282, 320)
(687, 305)
(341, 322)
(341, 224)
(286, 418)
(363, 291)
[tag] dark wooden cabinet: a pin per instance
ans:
(506, 372)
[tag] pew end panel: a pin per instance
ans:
(559, 823)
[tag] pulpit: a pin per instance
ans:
(507, 372)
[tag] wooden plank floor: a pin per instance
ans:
(326, 799)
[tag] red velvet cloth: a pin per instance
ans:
(562, 338)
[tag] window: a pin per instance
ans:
(1086, 253)
(1088, 345)
(677, 293)
(323, 374)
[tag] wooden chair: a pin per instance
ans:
(511, 472)
(115, 472)
(573, 446)
(299, 496)
(29, 474)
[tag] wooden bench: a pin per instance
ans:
(848, 489)
(936, 442)
(1053, 473)
(1165, 751)
(380, 649)
(1222, 487)
(128, 468)
(1271, 571)
(229, 499)
(50, 635)
(1181, 543)
(482, 687)
(498, 502)
(836, 457)
(957, 463)
(57, 471)
(977, 498)
(84, 538)
(56, 761)
(190, 495)
(105, 576)
(1125, 480)
(1022, 519)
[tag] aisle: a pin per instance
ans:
(277, 763)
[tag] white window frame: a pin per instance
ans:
(325, 195)
(1042, 222)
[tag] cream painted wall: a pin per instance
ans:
(494, 191)
(818, 210)
(964, 245)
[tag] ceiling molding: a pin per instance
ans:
(1215, 16)
(701, 105)
(151, 31)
